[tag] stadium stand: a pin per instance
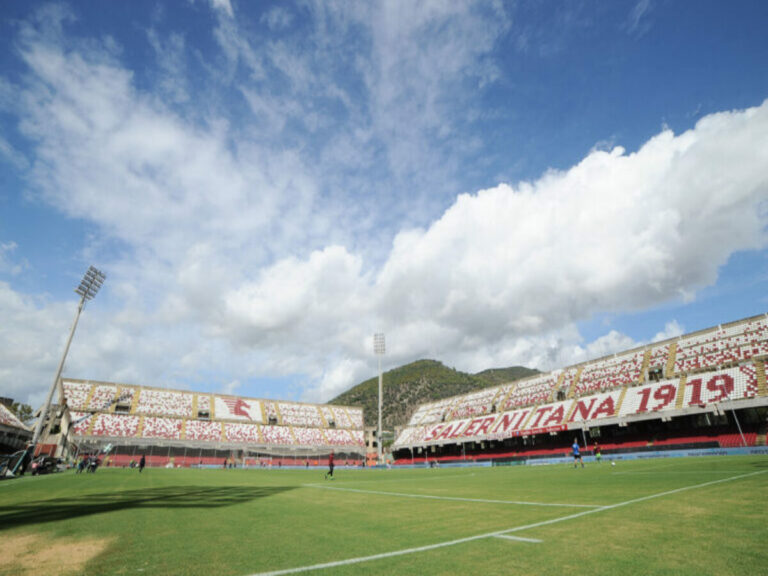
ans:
(14, 434)
(707, 373)
(169, 424)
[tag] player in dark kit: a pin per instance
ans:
(330, 467)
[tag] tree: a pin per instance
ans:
(23, 412)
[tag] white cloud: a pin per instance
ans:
(9, 264)
(224, 6)
(240, 258)
(672, 329)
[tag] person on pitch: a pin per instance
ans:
(576, 454)
(330, 466)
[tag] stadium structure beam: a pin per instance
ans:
(88, 288)
(379, 349)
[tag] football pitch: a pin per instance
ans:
(667, 516)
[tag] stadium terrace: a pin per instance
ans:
(183, 428)
(693, 379)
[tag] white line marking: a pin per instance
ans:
(673, 472)
(406, 551)
(451, 498)
(519, 538)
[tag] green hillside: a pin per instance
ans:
(406, 387)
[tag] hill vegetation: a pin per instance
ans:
(406, 387)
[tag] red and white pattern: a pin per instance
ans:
(165, 403)
(102, 398)
(308, 436)
(475, 404)
(8, 418)
(595, 407)
(80, 422)
(203, 403)
(720, 386)
(532, 390)
(246, 433)
(76, 394)
(722, 346)
(610, 373)
(270, 409)
(203, 430)
(433, 412)
(338, 437)
(305, 415)
(356, 416)
(656, 397)
(234, 408)
(277, 434)
(116, 425)
(659, 356)
(337, 415)
(169, 428)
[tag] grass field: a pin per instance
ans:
(679, 516)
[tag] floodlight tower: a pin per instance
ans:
(89, 286)
(379, 349)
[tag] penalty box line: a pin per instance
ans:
(449, 498)
(395, 553)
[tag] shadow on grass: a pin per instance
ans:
(171, 497)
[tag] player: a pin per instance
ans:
(330, 467)
(142, 463)
(598, 453)
(576, 454)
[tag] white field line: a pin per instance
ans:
(412, 478)
(450, 498)
(519, 538)
(448, 543)
(673, 472)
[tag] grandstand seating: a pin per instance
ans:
(280, 435)
(8, 418)
(531, 391)
(610, 373)
(308, 436)
(203, 430)
(722, 346)
(165, 403)
(300, 415)
(614, 386)
(102, 397)
(356, 417)
(115, 425)
(655, 397)
(270, 410)
(168, 428)
(475, 404)
(433, 412)
(245, 433)
(337, 415)
(76, 394)
(171, 415)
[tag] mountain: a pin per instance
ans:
(407, 387)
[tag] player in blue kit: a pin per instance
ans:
(576, 454)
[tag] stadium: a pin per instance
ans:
(685, 419)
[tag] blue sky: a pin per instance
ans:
(268, 184)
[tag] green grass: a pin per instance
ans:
(248, 522)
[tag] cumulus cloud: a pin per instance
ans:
(239, 258)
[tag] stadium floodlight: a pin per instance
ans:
(379, 349)
(88, 288)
